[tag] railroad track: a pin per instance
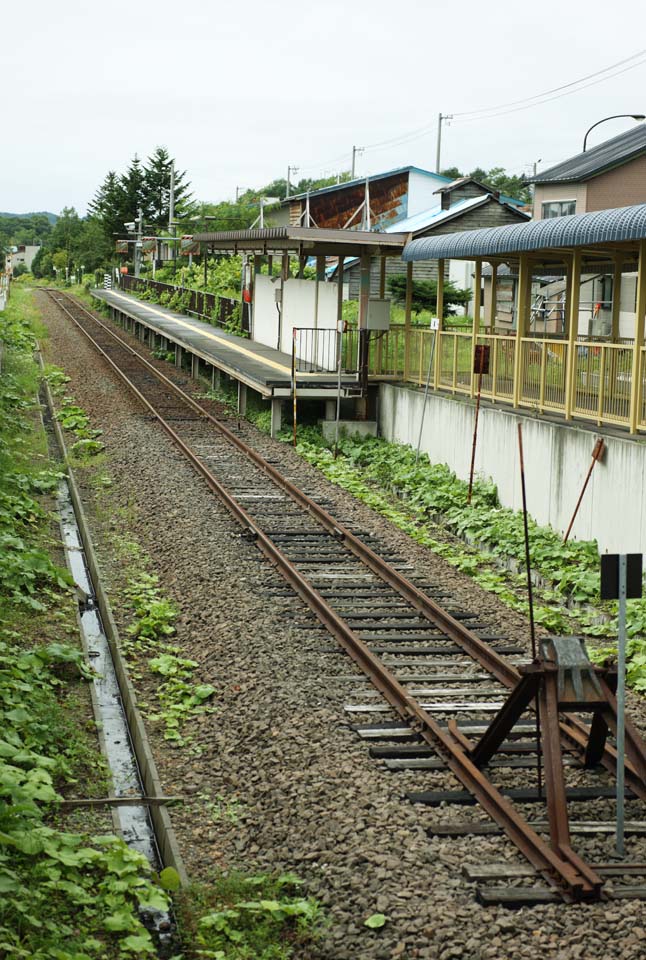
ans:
(444, 673)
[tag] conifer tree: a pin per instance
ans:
(157, 190)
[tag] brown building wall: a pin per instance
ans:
(621, 187)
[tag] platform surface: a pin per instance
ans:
(264, 369)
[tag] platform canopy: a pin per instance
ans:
(304, 241)
(600, 235)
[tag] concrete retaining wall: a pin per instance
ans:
(557, 458)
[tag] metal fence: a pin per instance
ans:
(207, 306)
(600, 371)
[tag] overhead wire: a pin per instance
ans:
(563, 86)
(499, 110)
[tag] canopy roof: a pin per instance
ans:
(304, 241)
(612, 230)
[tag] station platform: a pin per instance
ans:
(266, 370)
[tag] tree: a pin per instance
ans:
(156, 190)
(107, 208)
(425, 294)
(132, 190)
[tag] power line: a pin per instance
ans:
(499, 110)
(564, 86)
(558, 96)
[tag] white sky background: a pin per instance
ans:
(238, 90)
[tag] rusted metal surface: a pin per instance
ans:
(557, 863)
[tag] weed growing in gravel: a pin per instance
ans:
(73, 418)
(178, 697)
(424, 499)
(220, 807)
(236, 917)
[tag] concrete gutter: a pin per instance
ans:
(164, 831)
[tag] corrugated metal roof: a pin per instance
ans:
(436, 215)
(292, 238)
(610, 153)
(583, 229)
(373, 176)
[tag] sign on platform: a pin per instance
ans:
(481, 358)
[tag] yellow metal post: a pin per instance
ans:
(493, 292)
(616, 297)
(522, 316)
(636, 378)
(572, 307)
(408, 307)
(439, 310)
(477, 305)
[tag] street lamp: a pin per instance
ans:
(615, 116)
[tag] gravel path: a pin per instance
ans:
(277, 777)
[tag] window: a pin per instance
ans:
(558, 208)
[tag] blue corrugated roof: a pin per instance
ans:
(583, 229)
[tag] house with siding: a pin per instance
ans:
(612, 174)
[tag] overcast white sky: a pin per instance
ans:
(239, 90)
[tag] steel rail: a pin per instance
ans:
(567, 873)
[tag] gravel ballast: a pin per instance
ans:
(275, 777)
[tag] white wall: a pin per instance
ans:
(303, 306)
(421, 192)
(265, 313)
(557, 458)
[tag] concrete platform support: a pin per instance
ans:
(242, 399)
(195, 366)
(276, 416)
(178, 356)
(215, 378)
(330, 409)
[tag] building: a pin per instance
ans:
(24, 253)
(612, 174)
(366, 203)
(463, 204)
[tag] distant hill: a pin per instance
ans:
(35, 213)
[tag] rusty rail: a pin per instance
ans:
(567, 873)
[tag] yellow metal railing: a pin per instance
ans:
(601, 372)
(455, 351)
(498, 384)
(542, 371)
(602, 382)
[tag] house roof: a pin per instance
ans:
(610, 153)
(584, 229)
(359, 180)
(435, 216)
(461, 181)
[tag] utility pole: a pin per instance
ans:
(171, 212)
(440, 119)
(138, 241)
(355, 152)
(237, 194)
(290, 170)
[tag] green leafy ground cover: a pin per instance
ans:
(76, 894)
(426, 500)
(63, 893)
